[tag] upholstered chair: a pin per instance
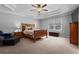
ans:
(8, 39)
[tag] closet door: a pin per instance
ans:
(74, 33)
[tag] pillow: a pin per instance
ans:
(1, 32)
(28, 28)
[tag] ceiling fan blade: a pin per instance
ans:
(34, 6)
(38, 5)
(45, 10)
(44, 5)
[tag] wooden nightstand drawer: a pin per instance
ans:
(18, 34)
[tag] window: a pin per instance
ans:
(55, 27)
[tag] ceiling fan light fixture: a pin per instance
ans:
(39, 9)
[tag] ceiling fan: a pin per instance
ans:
(40, 7)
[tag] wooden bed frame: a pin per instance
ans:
(37, 33)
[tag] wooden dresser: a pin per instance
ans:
(74, 33)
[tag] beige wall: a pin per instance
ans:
(9, 22)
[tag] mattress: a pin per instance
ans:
(30, 32)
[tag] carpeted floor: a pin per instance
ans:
(50, 45)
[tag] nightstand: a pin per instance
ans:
(18, 34)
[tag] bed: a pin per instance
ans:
(30, 31)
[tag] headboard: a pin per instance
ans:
(23, 25)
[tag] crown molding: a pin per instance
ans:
(9, 7)
(14, 6)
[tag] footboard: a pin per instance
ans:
(39, 33)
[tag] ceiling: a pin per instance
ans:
(25, 10)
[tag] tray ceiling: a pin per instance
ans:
(25, 10)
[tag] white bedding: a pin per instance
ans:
(30, 32)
